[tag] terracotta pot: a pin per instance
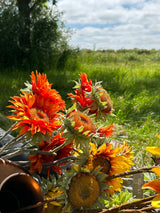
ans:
(18, 189)
(8, 167)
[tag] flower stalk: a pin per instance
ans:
(132, 172)
(13, 142)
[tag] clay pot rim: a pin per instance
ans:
(12, 175)
(12, 163)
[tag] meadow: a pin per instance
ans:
(132, 79)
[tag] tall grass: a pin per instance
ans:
(132, 79)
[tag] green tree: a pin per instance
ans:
(30, 33)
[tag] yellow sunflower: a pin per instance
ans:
(83, 189)
(154, 184)
(111, 161)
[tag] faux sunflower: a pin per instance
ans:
(41, 87)
(81, 98)
(102, 104)
(111, 161)
(78, 127)
(83, 189)
(154, 184)
(92, 97)
(38, 108)
(37, 160)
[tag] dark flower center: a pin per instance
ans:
(38, 114)
(83, 190)
(103, 162)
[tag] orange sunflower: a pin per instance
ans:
(113, 161)
(154, 184)
(81, 98)
(37, 111)
(92, 97)
(102, 103)
(37, 160)
(42, 88)
(82, 120)
(105, 131)
(78, 127)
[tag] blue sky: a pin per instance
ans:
(112, 24)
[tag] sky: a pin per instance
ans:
(112, 24)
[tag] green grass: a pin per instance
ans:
(134, 86)
(131, 77)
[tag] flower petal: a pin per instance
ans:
(154, 185)
(156, 170)
(154, 150)
(156, 202)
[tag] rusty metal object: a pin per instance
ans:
(18, 189)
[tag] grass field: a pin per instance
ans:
(131, 77)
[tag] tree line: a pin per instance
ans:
(31, 34)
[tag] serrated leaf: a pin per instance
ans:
(104, 103)
(104, 186)
(101, 177)
(80, 129)
(86, 132)
(72, 108)
(77, 85)
(72, 123)
(100, 204)
(28, 87)
(96, 171)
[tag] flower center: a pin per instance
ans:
(84, 193)
(38, 114)
(105, 98)
(103, 162)
(81, 119)
(83, 190)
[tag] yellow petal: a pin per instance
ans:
(154, 150)
(156, 171)
(55, 203)
(153, 184)
(158, 136)
(156, 202)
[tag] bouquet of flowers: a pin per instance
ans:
(70, 150)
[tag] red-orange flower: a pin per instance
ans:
(82, 120)
(106, 131)
(92, 97)
(37, 111)
(78, 127)
(85, 84)
(38, 159)
(41, 87)
(103, 103)
(81, 97)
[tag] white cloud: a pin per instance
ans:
(113, 24)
